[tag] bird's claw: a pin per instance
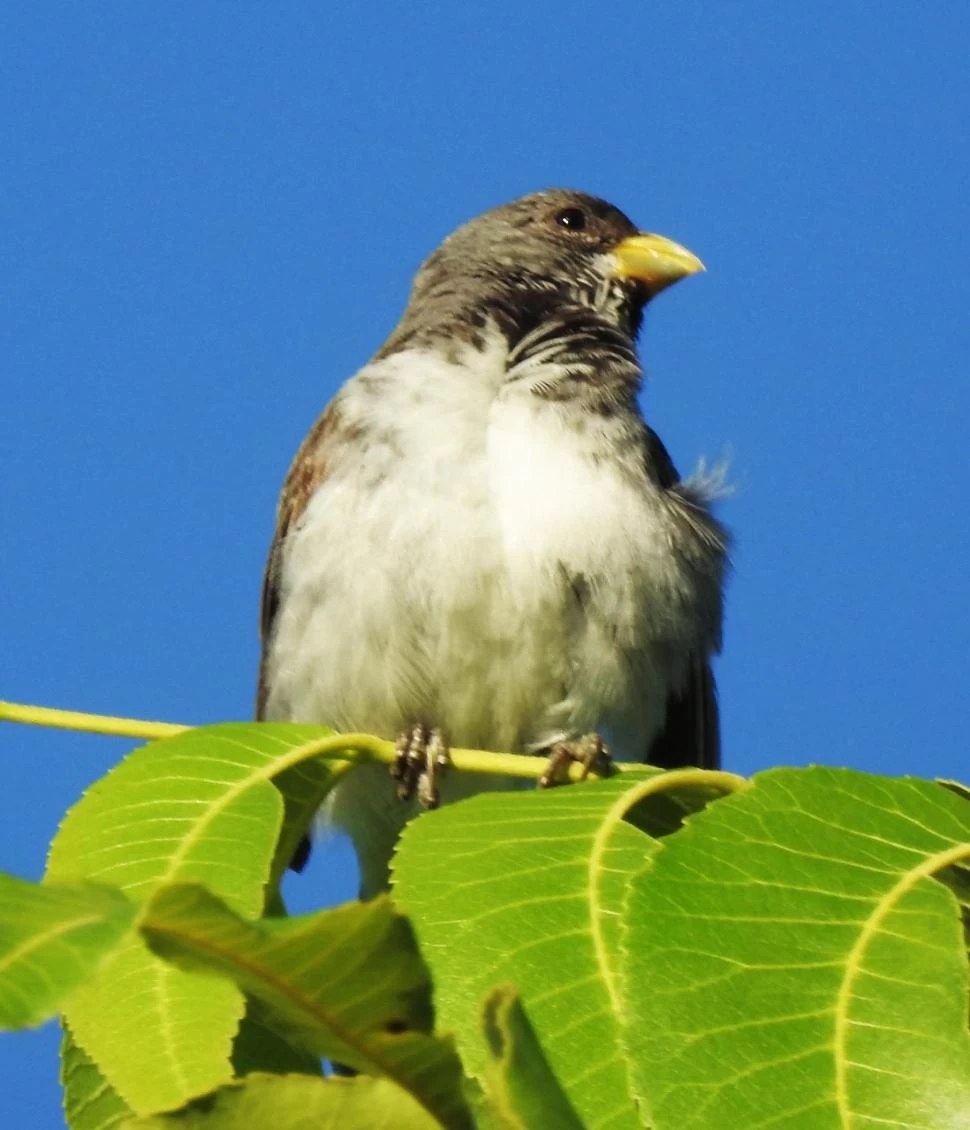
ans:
(420, 758)
(589, 751)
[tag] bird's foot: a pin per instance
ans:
(589, 751)
(420, 759)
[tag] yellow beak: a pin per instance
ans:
(655, 261)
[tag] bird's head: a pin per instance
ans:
(548, 250)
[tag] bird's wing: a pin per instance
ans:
(307, 471)
(691, 733)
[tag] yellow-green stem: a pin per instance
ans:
(367, 745)
(87, 723)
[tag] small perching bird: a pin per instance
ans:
(480, 536)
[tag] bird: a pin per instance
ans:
(482, 543)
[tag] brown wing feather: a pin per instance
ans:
(307, 471)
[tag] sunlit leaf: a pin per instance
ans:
(52, 939)
(200, 806)
(794, 963)
(526, 889)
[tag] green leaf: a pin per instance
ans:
(347, 984)
(298, 1102)
(200, 806)
(53, 938)
(259, 1047)
(522, 1090)
(526, 889)
(793, 962)
(205, 805)
(90, 1102)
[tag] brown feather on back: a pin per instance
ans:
(308, 469)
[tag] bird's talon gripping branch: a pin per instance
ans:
(420, 757)
(408, 760)
(589, 751)
(437, 759)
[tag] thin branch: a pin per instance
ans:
(367, 746)
(88, 723)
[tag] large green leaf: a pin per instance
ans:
(794, 964)
(52, 939)
(200, 806)
(297, 1102)
(526, 889)
(348, 984)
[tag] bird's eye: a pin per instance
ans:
(572, 218)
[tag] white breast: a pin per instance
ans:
(471, 566)
(587, 549)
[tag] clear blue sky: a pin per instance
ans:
(210, 217)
